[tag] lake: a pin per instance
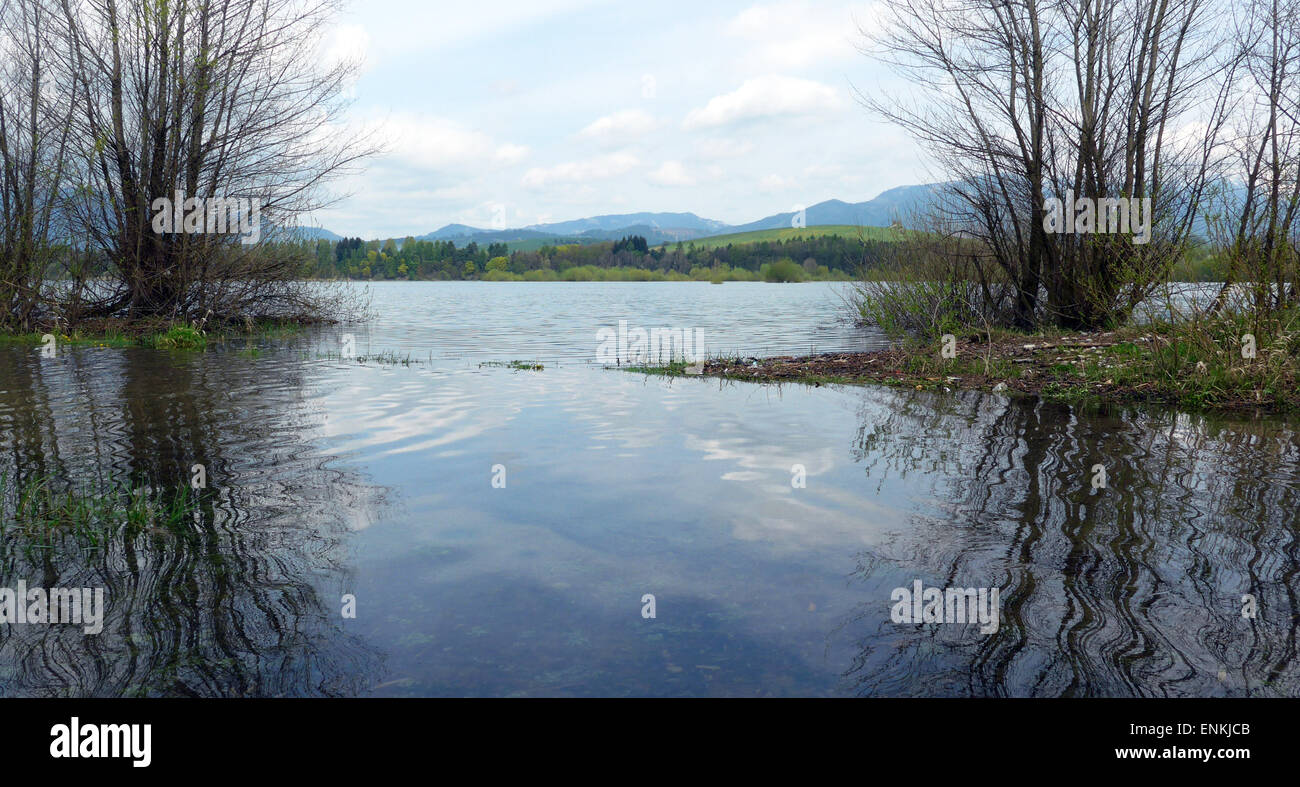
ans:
(450, 526)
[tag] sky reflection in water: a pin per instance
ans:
(331, 477)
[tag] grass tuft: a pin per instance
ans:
(42, 512)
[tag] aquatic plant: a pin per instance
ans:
(41, 510)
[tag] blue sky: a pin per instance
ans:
(512, 113)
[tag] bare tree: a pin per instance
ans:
(34, 142)
(1022, 100)
(203, 102)
(1257, 222)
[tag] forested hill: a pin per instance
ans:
(815, 254)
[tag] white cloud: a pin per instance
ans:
(821, 171)
(347, 43)
(575, 118)
(763, 97)
(505, 87)
(797, 34)
(672, 173)
(771, 183)
(598, 168)
(419, 27)
(511, 154)
(619, 127)
(721, 147)
(437, 143)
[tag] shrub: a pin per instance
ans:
(782, 271)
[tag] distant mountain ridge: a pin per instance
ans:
(658, 228)
(678, 221)
(896, 204)
(315, 233)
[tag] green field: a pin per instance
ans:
(533, 244)
(759, 236)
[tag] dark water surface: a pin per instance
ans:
(329, 477)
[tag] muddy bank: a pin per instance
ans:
(1101, 367)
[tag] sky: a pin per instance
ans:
(509, 113)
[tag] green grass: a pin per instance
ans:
(42, 512)
(178, 337)
(789, 233)
(114, 339)
(1192, 366)
(533, 244)
(384, 358)
(264, 329)
(119, 334)
(518, 366)
(1062, 392)
(671, 369)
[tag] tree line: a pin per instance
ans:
(818, 257)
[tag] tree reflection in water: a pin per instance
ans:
(245, 601)
(1135, 589)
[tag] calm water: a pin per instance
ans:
(329, 477)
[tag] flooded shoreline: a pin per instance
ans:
(497, 527)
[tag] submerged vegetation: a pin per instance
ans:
(40, 511)
(154, 334)
(383, 358)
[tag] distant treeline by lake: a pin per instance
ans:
(785, 256)
(630, 258)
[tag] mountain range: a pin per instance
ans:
(658, 228)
